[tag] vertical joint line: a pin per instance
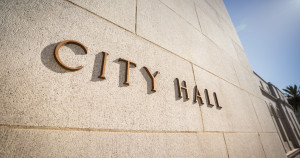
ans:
(261, 144)
(135, 24)
(193, 73)
(225, 144)
(249, 95)
(197, 17)
(203, 129)
(236, 75)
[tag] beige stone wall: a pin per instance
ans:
(47, 111)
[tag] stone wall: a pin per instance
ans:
(47, 111)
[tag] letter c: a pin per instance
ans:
(57, 56)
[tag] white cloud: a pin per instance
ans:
(241, 27)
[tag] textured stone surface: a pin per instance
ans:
(219, 7)
(53, 143)
(47, 111)
(272, 145)
(159, 24)
(242, 56)
(247, 79)
(213, 30)
(120, 12)
(35, 90)
(208, 10)
(244, 145)
(263, 114)
(217, 12)
(184, 8)
(230, 31)
(237, 114)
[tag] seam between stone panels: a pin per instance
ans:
(212, 41)
(255, 111)
(143, 37)
(194, 64)
(239, 132)
(215, 75)
(97, 15)
(238, 56)
(225, 80)
(197, 16)
(240, 45)
(218, 16)
(237, 44)
(262, 145)
(89, 129)
(229, 18)
(193, 73)
(216, 11)
(127, 30)
(25, 127)
(135, 26)
(225, 145)
(236, 74)
(231, 23)
(147, 39)
(179, 15)
(200, 31)
(155, 43)
(203, 129)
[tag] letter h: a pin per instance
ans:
(180, 88)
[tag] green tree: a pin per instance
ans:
(293, 96)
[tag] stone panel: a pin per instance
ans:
(36, 91)
(47, 111)
(159, 24)
(247, 79)
(162, 26)
(56, 143)
(185, 8)
(243, 60)
(230, 31)
(237, 113)
(244, 145)
(220, 8)
(120, 12)
(263, 114)
(213, 30)
(208, 10)
(224, 19)
(272, 145)
(212, 145)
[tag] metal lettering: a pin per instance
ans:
(102, 75)
(152, 78)
(127, 69)
(197, 96)
(216, 100)
(57, 56)
(182, 87)
(208, 100)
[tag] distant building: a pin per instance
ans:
(283, 116)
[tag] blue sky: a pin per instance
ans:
(270, 33)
